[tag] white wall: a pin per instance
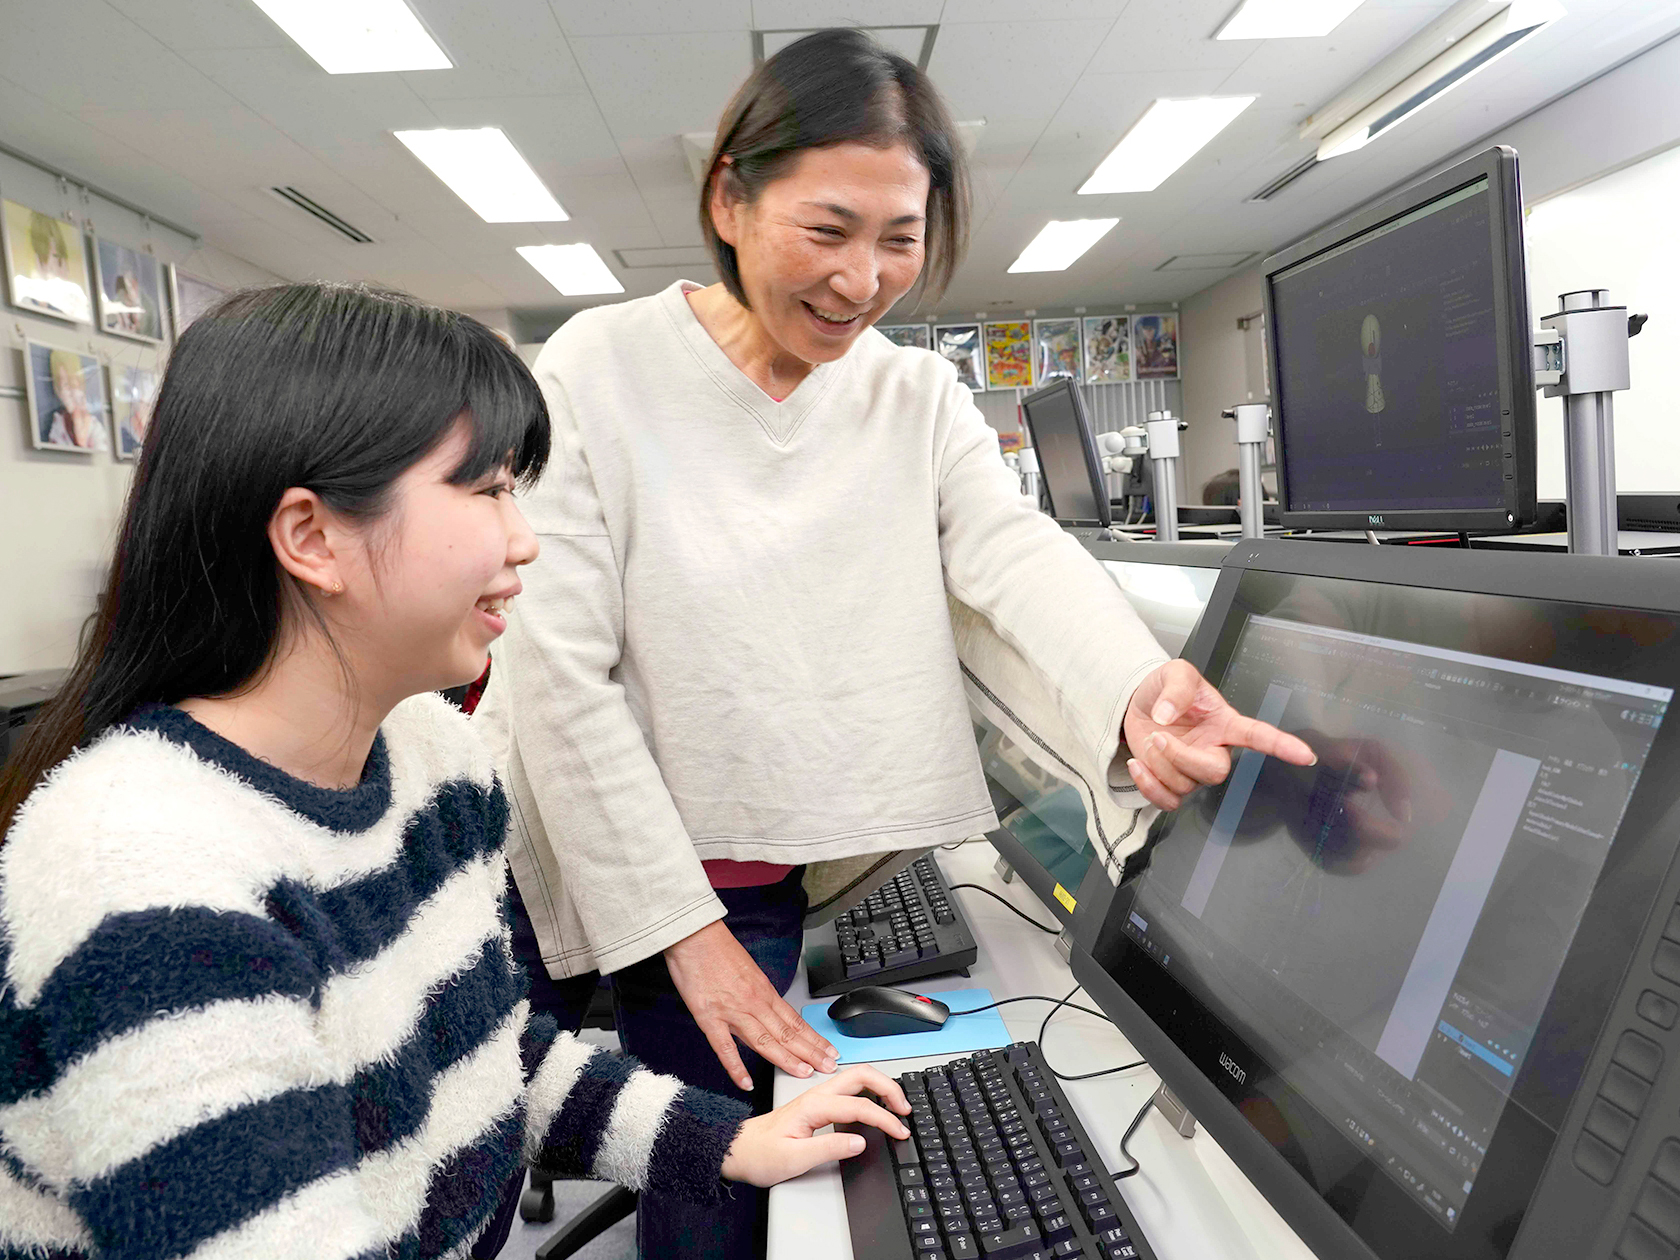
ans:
(58, 511)
(1215, 370)
(1618, 233)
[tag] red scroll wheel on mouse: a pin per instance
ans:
(920, 998)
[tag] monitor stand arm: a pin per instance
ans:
(1253, 419)
(1581, 356)
(1163, 429)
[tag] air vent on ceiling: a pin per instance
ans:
(1283, 181)
(1205, 262)
(310, 206)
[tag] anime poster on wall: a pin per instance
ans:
(1009, 362)
(960, 343)
(46, 264)
(1155, 346)
(914, 335)
(130, 291)
(66, 392)
(192, 297)
(1056, 350)
(1108, 349)
(133, 390)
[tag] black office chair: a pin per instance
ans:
(536, 1205)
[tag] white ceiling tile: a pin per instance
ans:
(782, 15)
(190, 24)
(505, 48)
(651, 17)
(663, 85)
(1170, 37)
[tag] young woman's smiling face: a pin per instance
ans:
(827, 248)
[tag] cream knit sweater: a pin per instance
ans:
(736, 641)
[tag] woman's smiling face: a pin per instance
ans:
(828, 247)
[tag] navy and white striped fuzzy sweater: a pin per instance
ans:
(242, 1016)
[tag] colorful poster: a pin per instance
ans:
(1108, 349)
(960, 343)
(130, 288)
(1056, 350)
(133, 390)
(915, 335)
(66, 392)
(46, 264)
(1009, 362)
(1155, 346)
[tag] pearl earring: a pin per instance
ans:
(337, 589)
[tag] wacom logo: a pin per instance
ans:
(1226, 1062)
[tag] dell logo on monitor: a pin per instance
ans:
(1226, 1062)
(1375, 520)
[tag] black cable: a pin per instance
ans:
(1127, 1141)
(1034, 997)
(1003, 901)
(1078, 1076)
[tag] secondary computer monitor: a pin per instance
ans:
(1401, 361)
(1425, 992)
(1067, 455)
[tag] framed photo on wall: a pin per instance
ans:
(133, 391)
(907, 335)
(190, 297)
(960, 343)
(1155, 346)
(66, 396)
(1056, 350)
(130, 290)
(1009, 363)
(1108, 349)
(46, 264)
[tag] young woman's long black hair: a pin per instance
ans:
(335, 388)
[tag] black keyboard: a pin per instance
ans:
(997, 1168)
(906, 929)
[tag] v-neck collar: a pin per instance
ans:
(779, 420)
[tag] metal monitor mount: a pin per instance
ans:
(1253, 421)
(1581, 356)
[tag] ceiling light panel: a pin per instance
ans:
(1061, 243)
(358, 36)
(1286, 19)
(483, 169)
(1168, 135)
(576, 270)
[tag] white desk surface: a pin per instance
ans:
(1191, 1200)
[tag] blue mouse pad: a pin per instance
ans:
(982, 1031)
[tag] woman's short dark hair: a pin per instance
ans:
(835, 87)
(336, 388)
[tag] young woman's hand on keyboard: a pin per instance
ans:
(784, 1143)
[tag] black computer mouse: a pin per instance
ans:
(876, 1012)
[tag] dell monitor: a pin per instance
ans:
(1067, 455)
(1400, 355)
(1425, 992)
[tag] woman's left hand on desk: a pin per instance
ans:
(1178, 727)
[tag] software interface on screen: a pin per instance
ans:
(1385, 929)
(1061, 457)
(1387, 365)
(1169, 598)
(1042, 812)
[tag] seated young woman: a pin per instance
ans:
(257, 992)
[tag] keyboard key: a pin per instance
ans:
(1067, 1248)
(961, 1247)
(1009, 1244)
(910, 1176)
(1068, 1153)
(904, 1151)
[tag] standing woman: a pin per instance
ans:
(735, 657)
(257, 996)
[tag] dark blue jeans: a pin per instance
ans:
(654, 1025)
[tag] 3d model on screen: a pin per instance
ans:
(1370, 342)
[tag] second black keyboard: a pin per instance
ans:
(908, 928)
(997, 1168)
